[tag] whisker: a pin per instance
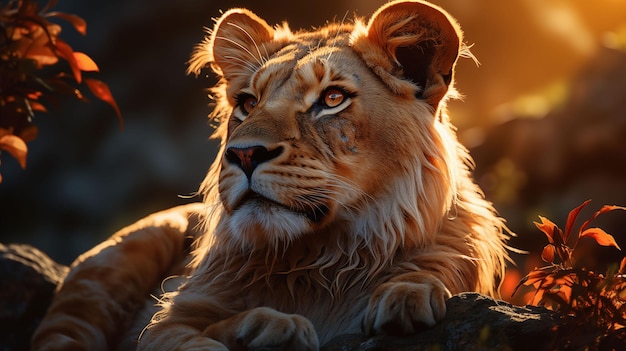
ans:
(337, 189)
(241, 47)
(345, 183)
(245, 64)
(343, 20)
(267, 54)
(260, 57)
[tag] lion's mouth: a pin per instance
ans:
(314, 212)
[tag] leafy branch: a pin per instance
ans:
(31, 77)
(593, 304)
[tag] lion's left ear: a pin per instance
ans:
(414, 41)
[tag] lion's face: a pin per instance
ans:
(321, 124)
(308, 142)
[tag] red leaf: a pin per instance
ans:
(548, 253)
(85, 63)
(36, 106)
(571, 218)
(65, 51)
(537, 298)
(79, 24)
(534, 277)
(600, 236)
(29, 133)
(547, 227)
(102, 92)
(14, 146)
(604, 209)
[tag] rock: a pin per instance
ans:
(473, 321)
(28, 279)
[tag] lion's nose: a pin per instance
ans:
(248, 158)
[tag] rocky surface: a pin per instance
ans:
(473, 321)
(28, 279)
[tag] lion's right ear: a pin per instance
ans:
(235, 47)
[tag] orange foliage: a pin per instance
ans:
(28, 43)
(14, 146)
(594, 303)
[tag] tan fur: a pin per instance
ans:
(356, 217)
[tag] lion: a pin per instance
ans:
(340, 200)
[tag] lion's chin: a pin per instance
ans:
(263, 220)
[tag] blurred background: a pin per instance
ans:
(544, 115)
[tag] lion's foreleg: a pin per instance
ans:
(258, 328)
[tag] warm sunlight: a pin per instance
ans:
(541, 111)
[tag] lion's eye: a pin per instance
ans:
(331, 101)
(333, 97)
(248, 104)
(245, 104)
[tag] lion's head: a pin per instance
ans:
(338, 130)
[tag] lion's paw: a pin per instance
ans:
(265, 328)
(402, 308)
